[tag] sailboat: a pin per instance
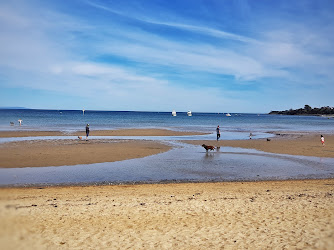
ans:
(189, 113)
(174, 113)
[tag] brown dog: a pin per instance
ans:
(207, 147)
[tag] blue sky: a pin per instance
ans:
(204, 56)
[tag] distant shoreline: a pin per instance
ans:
(307, 111)
(279, 113)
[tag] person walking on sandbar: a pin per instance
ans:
(87, 132)
(218, 132)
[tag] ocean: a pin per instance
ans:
(74, 120)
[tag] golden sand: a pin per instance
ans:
(249, 215)
(72, 152)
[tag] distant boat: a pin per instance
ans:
(228, 114)
(189, 113)
(174, 113)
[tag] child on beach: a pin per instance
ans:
(322, 140)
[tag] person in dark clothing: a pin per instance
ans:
(87, 131)
(218, 132)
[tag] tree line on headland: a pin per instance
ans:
(307, 110)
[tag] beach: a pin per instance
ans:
(119, 132)
(40, 153)
(229, 215)
(295, 214)
(291, 143)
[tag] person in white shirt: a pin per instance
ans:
(322, 140)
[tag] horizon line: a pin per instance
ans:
(101, 110)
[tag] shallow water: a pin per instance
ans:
(184, 163)
(224, 136)
(74, 120)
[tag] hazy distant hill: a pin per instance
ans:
(307, 110)
(13, 108)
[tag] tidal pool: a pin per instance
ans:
(183, 163)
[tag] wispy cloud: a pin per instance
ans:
(124, 53)
(272, 56)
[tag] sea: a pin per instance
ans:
(75, 120)
(184, 162)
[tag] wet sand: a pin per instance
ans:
(72, 152)
(248, 215)
(121, 132)
(41, 153)
(284, 143)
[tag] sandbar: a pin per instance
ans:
(306, 144)
(41, 153)
(119, 132)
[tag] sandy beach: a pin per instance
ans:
(230, 215)
(248, 215)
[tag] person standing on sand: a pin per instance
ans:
(218, 132)
(322, 139)
(87, 132)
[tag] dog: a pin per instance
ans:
(207, 147)
(80, 137)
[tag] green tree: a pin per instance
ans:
(307, 108)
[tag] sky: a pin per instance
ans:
(164, 55)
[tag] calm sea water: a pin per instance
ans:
(73, 120)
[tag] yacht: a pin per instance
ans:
(228, 114)
(174, 113)
(189, 113)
